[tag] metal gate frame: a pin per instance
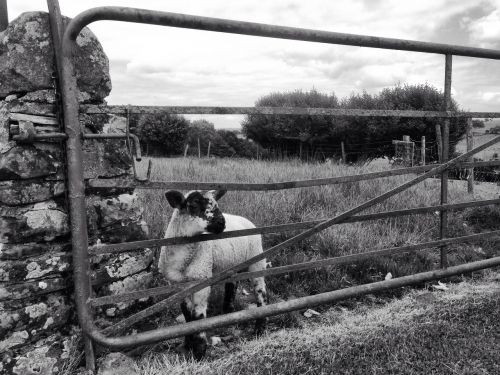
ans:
(76, 183)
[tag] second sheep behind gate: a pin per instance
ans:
(196, 213)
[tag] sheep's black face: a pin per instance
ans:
(202, 208)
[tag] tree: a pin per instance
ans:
(285, 131)
(242, 147)
(162, 134)
(478, 123)
(204, 132)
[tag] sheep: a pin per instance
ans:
(196, 213)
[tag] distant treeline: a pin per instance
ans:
(170, 135)
(305, 136)
(363, 137)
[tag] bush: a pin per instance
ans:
(495, 130)
(205, 132)
(478, 124)
(161, 134)
(242, 147)
(281, 130)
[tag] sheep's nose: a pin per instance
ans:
(216, 226)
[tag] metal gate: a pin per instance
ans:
(76, 184)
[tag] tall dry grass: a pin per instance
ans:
(294, 205)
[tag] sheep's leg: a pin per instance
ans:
(197, 307)
(186, 311)
(259, 287)
(229, 296)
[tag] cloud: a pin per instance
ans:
(485, 31)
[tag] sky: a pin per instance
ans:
(154, 65)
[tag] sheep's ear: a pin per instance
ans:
(174, 198)
(218, 194)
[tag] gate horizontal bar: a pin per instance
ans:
(121, 110)
(265, 30)
(159, 306)
(139, 294)
(179, 330)
(129, 246)
(243, 186)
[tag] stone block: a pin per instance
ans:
(42, 221)
(26, 59)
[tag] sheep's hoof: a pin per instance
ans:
(260, 326)
(199, 350)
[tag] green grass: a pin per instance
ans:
(451, 332)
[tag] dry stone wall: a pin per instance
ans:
(37, 314)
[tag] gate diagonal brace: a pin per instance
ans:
(162, 305)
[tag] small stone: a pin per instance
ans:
(309, 313)
(117, 364)
(215, 340)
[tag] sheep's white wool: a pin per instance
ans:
(201, 260)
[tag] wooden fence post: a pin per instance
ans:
(208, 151)
(422, 151)
(199, 149)
(439, 142)
(407, 152)
(344, 159)
(470, 146)
(186, 149)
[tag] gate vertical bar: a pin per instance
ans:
(470, 146)
(445, 134)
(76, 194)
(4, 15)
(57, 26)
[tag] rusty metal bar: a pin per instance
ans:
(240, 186)
(324, 225)
(106, 300)
(76, 189)
(129, 246)
(57, 31)
(264, 30)
(121, 110)
(42, 137)
(291, 305)
(4, 15)
(443, 230)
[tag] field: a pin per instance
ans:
(453, 332)
(294, 205)
(489, 154)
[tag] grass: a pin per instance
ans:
(452, 332)
(456, 332)
(294, 345)
(294, 205)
